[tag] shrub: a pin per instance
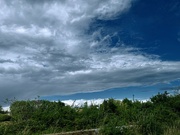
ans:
(149, 125)
(4, 117)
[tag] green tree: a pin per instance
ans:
(1, 109)
(160, 98)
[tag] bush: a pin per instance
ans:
(149, 125)
(113, 117)
(4, 117)
(112, 125)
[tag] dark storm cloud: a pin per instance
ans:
(5, 61)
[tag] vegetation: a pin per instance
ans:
(158, 116)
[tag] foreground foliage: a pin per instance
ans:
(160, 115)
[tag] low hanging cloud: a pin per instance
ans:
(45, 49)
(82, 102)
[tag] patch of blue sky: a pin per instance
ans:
(152, 26)
(139, 93)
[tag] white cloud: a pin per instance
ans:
(46, 50)
(32, 31)
(7, 108)
(81, 102)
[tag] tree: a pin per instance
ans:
(1, 110)
(160, 98)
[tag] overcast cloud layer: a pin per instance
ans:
(46, 49)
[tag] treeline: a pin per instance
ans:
(158, 116)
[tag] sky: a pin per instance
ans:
(88, 49)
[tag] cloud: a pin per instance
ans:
(7, 108)
(46, 49)
(81, 102)
(5, 61)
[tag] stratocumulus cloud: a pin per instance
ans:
(46, 49)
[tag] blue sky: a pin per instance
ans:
(88, 49)
(140, 93)
(152, 26)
